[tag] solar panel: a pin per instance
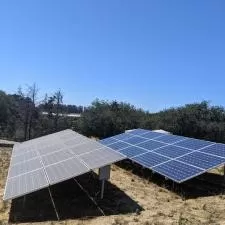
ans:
(65, 170)
(24, 184)
(201, 160)
(170, 139)
(151, 145)
(108, 141)
(176, 157)
(135, 140)
(119, 145)
(54, 158)
(172, 151)
(100, 158)
(19, 150)
(193, 144)
(150, 159)
(217, 150)
(177, 171)
(132, 151)
(76, 141)
(85, 147)
(24, 157)
(51, 148)
(24, 167)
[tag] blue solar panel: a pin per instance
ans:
(170, 139)
(172, 151)
(132, 151)
(138, 131)
(135, 140)
(151, 145)
(193, 144)
(177, 171)
(108, 141)
(216, 149)
(150, 159)
(202, 160)
(119, 145)
(152, 135)
(176, 157)
(123, 136)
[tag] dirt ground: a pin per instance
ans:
(132, 196)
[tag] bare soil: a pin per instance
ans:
(132, 196)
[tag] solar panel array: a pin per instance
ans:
(175, 157)
(44, 161)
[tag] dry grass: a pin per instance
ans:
(160, 204)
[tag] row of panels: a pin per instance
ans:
(46, 146)
(127, 140)
(54, 153)
(180, 157)
(91, 159)
(189, 143)
(55, 165)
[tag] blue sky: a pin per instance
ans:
(153, 54)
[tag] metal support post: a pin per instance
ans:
(24, 201)
(53, 203)
(102, 189)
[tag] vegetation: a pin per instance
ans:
(199, 120)
(22, 117)
(103, 118)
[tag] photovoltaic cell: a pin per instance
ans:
(150, 159)
(65, 170)
(67, 136)
(201, 160)
(193, 144)
(132, 151)
(100, 158)
(24, 157)
(56, 157)
(24, 184)
(177, 171)
(108, 141)
(18, 151)
(170, 139)
(172, 151)
(216, 149)
(152, 135)
(76, 141)
(119, 145)
(135, 140)
(24, 167)
(86, 147)
(51, 148)
(151, 145)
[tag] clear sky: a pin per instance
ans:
(153, 54)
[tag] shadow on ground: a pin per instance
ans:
(207, 184)
(72, 202)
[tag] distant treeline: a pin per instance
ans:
(199, 120)
(21, 117)
(66, 109)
